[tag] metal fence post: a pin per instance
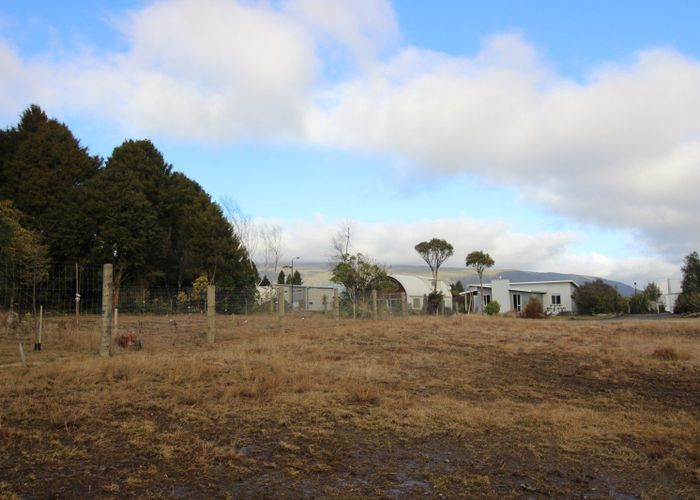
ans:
(404, 305)
(40, 325)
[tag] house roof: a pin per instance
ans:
(544, 282)
(510, 289)
(419, 286)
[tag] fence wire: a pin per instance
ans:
(77, 290)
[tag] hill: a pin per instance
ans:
(318, 273)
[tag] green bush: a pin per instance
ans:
(492, 308)
(598, 297)
(639, 304)
(687, 303)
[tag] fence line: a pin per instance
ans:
(77, 290)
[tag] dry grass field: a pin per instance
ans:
(442, 407)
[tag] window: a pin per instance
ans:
(556, 299)
(487, 300)
(516, 302)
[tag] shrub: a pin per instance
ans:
(687, 303)
(639, 304)
(533, 309)
(665, 353)
(599, 297)
(434, 301)
(492, 308)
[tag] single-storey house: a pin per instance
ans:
(670, 290)
(555, 296)
(416, 288)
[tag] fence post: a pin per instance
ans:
(404, 305)
(211, 313)
(336, 306)
(374, 304)
(280, 307)
(77, 295)
(115, 328)
(37, 334)
(272, 303)
(107, 288)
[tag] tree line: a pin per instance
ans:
(60, 206)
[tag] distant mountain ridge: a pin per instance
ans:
(318, 273)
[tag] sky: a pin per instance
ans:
(555, 135)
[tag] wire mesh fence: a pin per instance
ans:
(77, 290)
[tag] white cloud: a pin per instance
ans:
(365, 28)
(621, 149)
(205, 70)
(393, 243)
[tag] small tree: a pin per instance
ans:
(280, 278)
(599, 297)
(480, 261)
(265, 281)
(357, 274)
(639, 303)
(691, 274)
(434, 253)
(652, 292)
(456, 289)
(296, 279)
(492, 308)
(689, 299)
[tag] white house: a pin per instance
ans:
(416, 288)
(555, 296)
(670, 290)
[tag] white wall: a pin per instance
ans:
(500, 293)
(565, 290)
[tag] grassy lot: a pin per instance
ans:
(453, 407)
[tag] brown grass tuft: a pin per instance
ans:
(665, 354)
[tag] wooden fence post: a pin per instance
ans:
(336, 305)
(374, 305)
(280, 307)
(404, 305)
(40, 326)
(211, 313)
(107, 289)
(21, 355)
(115, 328)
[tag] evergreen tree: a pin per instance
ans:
(127, 220)
(691, 274)
(44, 171)
(689, 299)
(280, 278)
(265, 281)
